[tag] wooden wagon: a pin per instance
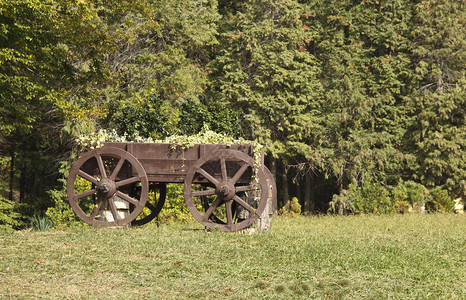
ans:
(224, 187)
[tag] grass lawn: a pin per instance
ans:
(357, 257)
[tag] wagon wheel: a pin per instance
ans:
(101, 179)
(155, 207)
(234, 197)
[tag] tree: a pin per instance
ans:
(365, 75)
(437, 134)
(49, 67)
(264, 71)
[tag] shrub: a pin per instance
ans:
(295, 207)
(293, 210)
(175, 208)
(61, 214)
(341, 204)
(10, 218)
(42, 223)
(408, 196)
(440, 201)
(369, 197)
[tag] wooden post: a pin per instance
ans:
(265, 220)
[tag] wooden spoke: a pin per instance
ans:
(208, 176)
(239, 173)
(100, 163)
(127, 181)
(127, 198)
(96, 209)
(229, 212)
(203, 193)
(212, 207)
(117, 168)
(223, 166)
(113, 208)
(243, 204)
(245, 188)
(87, 176)
(84, 194)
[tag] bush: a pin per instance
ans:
(370, 197)
(409, 196)
(10, 218)
(294, 208)
(341, 204)
(175, 208)
(61, 214)
(42, 223)
(440, 201)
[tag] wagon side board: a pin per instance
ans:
(162, 163)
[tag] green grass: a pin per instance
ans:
(359, 257)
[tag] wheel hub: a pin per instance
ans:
(106, 187)
(226, 190)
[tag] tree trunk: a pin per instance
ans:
(309, 193)
(284, 184)
(298, 191)
(12, 174)
(22, 185)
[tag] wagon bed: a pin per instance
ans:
(224, 187)
(163, 163)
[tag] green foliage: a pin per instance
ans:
(351, 89)
(437, 134)
(342, 203)
(369, 198)
(440, 201)
(408, 196)
(295, 207)
(174, 208)
(10, 211)
(293, 210)
(60, 213)
(264, 71)
(373, 198)
(10, 216)
(365, 72)
(151, 119)
(42, 223)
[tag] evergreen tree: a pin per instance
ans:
(262, 70)
(437, 135)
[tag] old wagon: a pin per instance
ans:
(125, 183)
